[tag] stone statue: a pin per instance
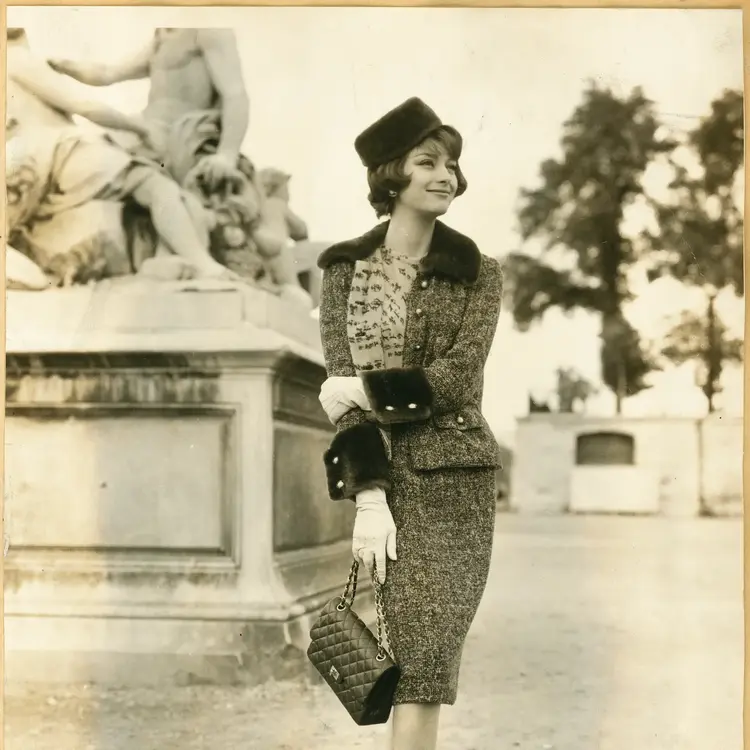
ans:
(66, 185)
(281, 226)
(22, 273)
(197, 118)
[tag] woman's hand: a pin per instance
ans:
(374, 536)
(340, 394)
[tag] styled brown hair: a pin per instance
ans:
(391, 176)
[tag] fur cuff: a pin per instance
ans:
(399, 394)
(356, 460)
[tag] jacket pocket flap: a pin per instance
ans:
(456, 447)
(463, 419)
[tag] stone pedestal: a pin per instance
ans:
(165, 493)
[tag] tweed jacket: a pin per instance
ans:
(435, 397)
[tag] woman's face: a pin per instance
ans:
(433, 179)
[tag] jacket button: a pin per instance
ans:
(418, 311)
(412, 406)
(389, 408)
(424, 285)
(460, 419)
(335, 459)
(340, 483)
(417, 346)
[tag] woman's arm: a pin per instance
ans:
(356, 459)
(415, 393)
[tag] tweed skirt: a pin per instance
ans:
(445, 522)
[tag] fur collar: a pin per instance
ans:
(451, 253)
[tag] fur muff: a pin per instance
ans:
(398, 394)
(397, 132)
(356, 460)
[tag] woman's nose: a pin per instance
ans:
(446, 175)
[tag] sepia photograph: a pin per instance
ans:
(374, 378)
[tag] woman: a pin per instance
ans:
(407, 316)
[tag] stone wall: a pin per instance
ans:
(721, 449)
(687, 458)
(166, 500)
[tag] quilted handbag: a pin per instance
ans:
(354, 663)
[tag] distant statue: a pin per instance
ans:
(197, 117)
(66, 184)
(538, 407)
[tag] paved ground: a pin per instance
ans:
(595, 634)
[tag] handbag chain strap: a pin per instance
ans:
(382, 627)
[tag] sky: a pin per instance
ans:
(506, 78)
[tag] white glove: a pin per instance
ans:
(340, 394)
(374, 534)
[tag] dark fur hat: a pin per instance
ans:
(397, 132)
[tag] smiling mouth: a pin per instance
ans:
(446, 193)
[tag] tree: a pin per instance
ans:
(700, 237)
(572, 388)
(706, 340)
(576, 214)
(625, 362)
